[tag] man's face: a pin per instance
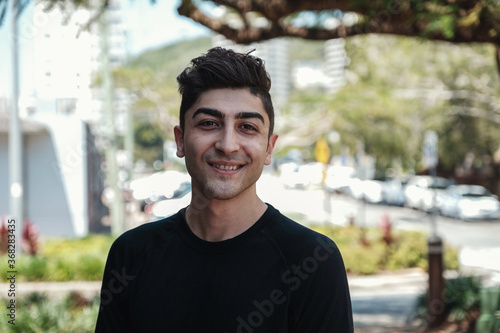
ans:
(225, 142)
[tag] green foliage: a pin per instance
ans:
(65, 260)
(410, 250)
(461, 297)
(397, 88)
(365, 252)
(35, 313)
(36, 267)
(84, 259)
(149, 139)
(172, 58)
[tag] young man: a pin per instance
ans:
(228, 262)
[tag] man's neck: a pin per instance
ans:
(218, 220)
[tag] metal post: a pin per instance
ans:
(129, 141)
(116, 207)
(16, 138)
(435, 308)
(436, 305)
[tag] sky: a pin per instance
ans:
(149, 26)
(159, 24)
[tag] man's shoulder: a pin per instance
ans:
(293, 236)
(148, 234)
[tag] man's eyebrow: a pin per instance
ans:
(218, 114)
(211, 112)
(246, 115)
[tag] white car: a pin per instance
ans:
(469, 202)
(168, 207)
(425, 192)
(340, 178)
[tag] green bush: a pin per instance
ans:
(461, 299)
(365, 252)
(37, 314)
(408, 251)
(36, 267)
(64, 260)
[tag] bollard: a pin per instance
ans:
(436, 313)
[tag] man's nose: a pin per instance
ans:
(228, 141)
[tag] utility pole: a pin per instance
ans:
(435, 306)
(16, 138)
(129, 140)
(116, 205)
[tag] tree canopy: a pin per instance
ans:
(247, 21)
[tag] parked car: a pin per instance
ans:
(295, 175)
(339, 178)
(372, 191)
(469, 202)
(425, 192)
(393, 191)
(292, 176)
(168, 207)
(158, 186)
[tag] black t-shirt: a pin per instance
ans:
(277, 276)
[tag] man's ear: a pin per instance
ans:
(179, 140)
(270, 147)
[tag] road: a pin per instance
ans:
(479, 241)
(386, 303)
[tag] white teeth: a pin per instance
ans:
(226, 167)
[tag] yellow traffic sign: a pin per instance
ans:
(322, 151)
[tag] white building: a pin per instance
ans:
(67, 60)
(62, 175)
(336, 61)
(61, 182)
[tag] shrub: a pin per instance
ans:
(367, 251)
(36, 313)
(408, 251)
(64, 260)
(461, 301)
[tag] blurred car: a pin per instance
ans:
(372, 191)
(393, 191)
(295, 175)
(291, 176)
(367, 190)
(469, 202)
(340, 178)
(425, 192)
(168, 207)
(158, 186)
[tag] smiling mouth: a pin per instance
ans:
(226, 167)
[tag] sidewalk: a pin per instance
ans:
(386, 302)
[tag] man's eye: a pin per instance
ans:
(208, 123)
(248, 127)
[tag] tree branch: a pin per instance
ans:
(412, 19)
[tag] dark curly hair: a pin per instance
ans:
(224, 68)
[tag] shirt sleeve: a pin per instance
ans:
(321, 300)
(113, 313)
